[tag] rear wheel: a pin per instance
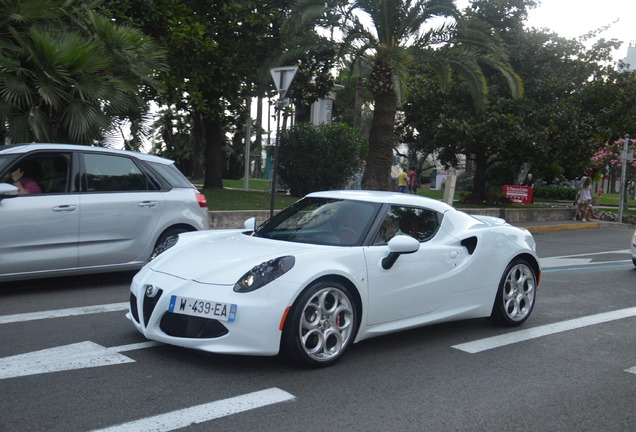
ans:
(516, 295)
(321, 325)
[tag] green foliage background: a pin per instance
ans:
(323, 157)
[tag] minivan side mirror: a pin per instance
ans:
(8, 191)
(399, 245)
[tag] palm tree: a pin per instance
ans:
(68, 73)
(395, 37)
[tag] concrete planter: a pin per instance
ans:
(235, 219)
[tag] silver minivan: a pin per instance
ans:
(69, 209)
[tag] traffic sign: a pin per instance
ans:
(283, 77)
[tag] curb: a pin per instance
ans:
(542, 229)
(556, 226)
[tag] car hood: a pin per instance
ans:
(221, 258)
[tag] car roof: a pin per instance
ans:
(25, 148)
(397, 198)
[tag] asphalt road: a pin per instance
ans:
(571, 366)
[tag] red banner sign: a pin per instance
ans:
(518, 194)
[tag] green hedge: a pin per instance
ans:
(555, 192)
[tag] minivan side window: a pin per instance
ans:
(108, 173)
(50, 172)
(171, 174)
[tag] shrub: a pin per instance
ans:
(322, 157)
(553, 192)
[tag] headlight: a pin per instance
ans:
(264, 273)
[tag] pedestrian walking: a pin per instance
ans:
(413, 181)
(585, 198)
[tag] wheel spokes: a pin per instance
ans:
(326, 324)
(518, 292)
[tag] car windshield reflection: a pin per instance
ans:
(322, 221)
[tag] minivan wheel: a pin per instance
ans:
(165, 241)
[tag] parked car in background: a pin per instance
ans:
(335, 268)
(68, 209)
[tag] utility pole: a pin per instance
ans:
(248, 141)
(283, 77)
(626, 156)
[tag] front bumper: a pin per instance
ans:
(255, 330)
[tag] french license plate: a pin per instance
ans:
(203, 308)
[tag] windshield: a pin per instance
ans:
(323, 221)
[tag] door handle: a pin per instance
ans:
(150, 204)
(65, 208)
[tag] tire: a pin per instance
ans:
(165, 241)
(516, 294)
(634, 261)
(321, 326)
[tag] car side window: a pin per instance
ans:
(421, 224)
(43, 173)
(109, 173)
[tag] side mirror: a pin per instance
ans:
(250, 224)
(399, 245)
(8, 191)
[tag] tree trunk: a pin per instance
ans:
(258, 142)
(377, 172)
(213, 153)
(357, 109)
(198, 152)
(479, 180)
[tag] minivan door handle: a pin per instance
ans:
(65, 208)
(147, 204)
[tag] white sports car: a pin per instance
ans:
(334, 268)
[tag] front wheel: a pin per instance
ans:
(516, 295)
(321, 325)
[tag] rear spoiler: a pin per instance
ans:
(490, 220)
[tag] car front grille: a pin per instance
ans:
(149, 305)
(133, 307)
(185, 326)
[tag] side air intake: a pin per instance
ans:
(470, 244)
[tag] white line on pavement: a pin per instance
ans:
(544, 330)
(68, 357)
(60, 313)
(631, 370)
(578, 259)
(203, 413)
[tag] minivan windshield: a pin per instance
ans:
(324, 221)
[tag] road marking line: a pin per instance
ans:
(576, 260)
(203, 413)
(60, 313)
(133, 347)
(592, 266)
(80, 355)
(631, 370)
(536, 332)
